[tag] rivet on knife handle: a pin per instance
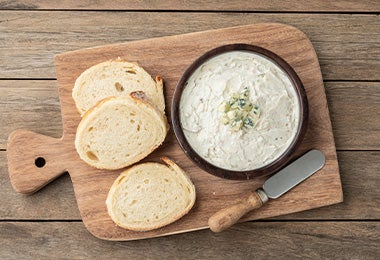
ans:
(226, 217)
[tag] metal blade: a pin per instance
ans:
(294, 173)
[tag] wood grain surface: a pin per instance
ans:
(347, 45)
(202, 5)
(280, 240)
(158, 56)
(346, 36)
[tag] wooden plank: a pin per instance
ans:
(255, 240)
(30, 104)
(355, 114)
(359, 174)
(208, 5)
(347, 45)
(34, 105)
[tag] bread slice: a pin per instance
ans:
(150, 195)
(115, 78)
(120, 131)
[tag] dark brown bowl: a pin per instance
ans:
(270, 168)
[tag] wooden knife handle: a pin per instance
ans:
(34, 160)
(226, 217)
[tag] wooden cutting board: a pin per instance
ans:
(169, 57)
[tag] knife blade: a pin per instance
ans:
(273, 188)
(294, 174)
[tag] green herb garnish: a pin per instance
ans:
(239, 112)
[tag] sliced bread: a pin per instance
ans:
(150, 195)
(120, 131)
(115, 78)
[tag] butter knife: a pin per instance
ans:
(274, 187)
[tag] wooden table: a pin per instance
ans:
(346, 36)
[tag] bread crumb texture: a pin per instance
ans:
(115, 78)
(150, 195)
(119, 131)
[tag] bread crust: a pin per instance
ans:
(171, 166)
(94, 84)
(142, 103)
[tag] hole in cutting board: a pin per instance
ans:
(40, 162)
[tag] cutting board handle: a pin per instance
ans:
(34, 160)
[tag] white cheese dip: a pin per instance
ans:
(212, 84)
